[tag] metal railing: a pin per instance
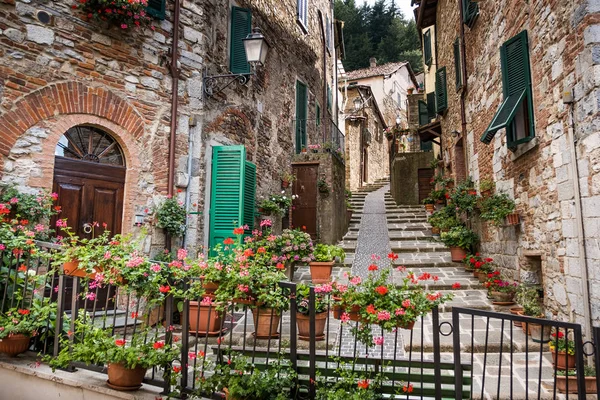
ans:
(319, 135)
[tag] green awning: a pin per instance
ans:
(504, 116)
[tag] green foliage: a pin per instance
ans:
(321, 298)
(460, 236)
(277, 203)
(486, 184)
(444, 218)
(351, 384)
(327, 252)
(32, 211)
(29, 321)
(323, 186)
(496, 207)
(171, 216)
(464, 196)
(529, 298)
(428, 200)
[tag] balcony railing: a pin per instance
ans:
(319, 135)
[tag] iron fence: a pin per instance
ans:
(319, 135)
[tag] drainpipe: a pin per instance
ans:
(580, 230)
(174, 98)
(322, 24)
(463, 92)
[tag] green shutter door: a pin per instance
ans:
(241, 24)
(156, 8)
(226, 200)
(423, 113)
(441, 95)
(301, 111)
(249, 195)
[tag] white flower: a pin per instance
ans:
(283, 192)
(31, 272)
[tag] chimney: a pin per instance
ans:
(373, 62)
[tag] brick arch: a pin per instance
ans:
(66, 98)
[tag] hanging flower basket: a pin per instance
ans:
(125, 14)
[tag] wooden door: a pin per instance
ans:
(425, 186)
(304, 215)
(89, 192)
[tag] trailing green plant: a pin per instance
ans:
(277, 203)
(464, 196)
(460, 236)
(486, 184)
(323, 186)
(438, 194)
(125, 14)
(31, 211)
(328, 252)
(30, 320)
(287, 176)
(428, 200)
(444, 218)
(171, 217)
(496, 207)
(434, 163)
(528, 297)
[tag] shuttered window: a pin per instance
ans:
(441, 93)
(329, 98)
(516, 111)
(301, 111)
(318, 115)
(328, 32)
(233, 192)
(241, 23)
(457, 65)
(431, 105)
(302, 14)
(156, 8)
(427, 52)
(470, 12)
(423, 113)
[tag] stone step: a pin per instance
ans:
(418, 226)
(425, 259)
(404, 246)
(447, 277)
(410, 235)
(407, 220)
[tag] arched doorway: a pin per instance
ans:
(89, 177)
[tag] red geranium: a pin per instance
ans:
(238, 231)
(371, 309)
(120, 342)
(382, 290)
(158, 345)
(364, 384)
(228, 241)
(373, 267)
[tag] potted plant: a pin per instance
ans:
(124, 14)
(291, 247)
(353, 384)
(31, 212)
(503, 292)
(287, 178)
(513, 219)
(171, 216)
(496, 208)
(486, 187)
(276, 203)
(303, 310)
(410, 90)
(571, 375)
(459, 239)
(528, 297)
(323, 186)
(127, 359)
(482, 268)
(429, 204)
(562, 349)
(18, 325)
(464, 196)
(314, 147)
(434, 164)
(439, 196)
(321, 267)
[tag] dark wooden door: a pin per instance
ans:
(89, 193)
(425, 175)
(304, 215)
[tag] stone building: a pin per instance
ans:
(74, 90)
(517, 104)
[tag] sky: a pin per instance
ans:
(404, 5)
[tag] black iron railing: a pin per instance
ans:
(319, 135)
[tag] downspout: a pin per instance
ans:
(174, 103)
(174, 98)
(580, 230)
(321, 23)
(463, 93)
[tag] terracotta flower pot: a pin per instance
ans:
(209, 287)
(121, 378)
(486, 193)
(71, 268)
(303, 322)
(540, 333)
(482, 276)
(512, 219)
(561, 384)
(353, 312)
(266, 322)
(475, 273)
(205, 319)
(515, 311)
(320, 272)
(409, 325)
(526, 327)
(285, 184)
(14, 344)
(429, 207)
(502, 298)
(458, 254)
(562, 360)
(435, 230)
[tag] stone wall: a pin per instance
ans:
(404, 179)
(563, 39)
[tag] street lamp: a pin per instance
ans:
(256, 48)
(357, 104)
(398, 121)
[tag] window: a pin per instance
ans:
(427, 54)
(470, 12)
(156, 8)
(441, 95)
(301, 111)
(241, 23)
(303, 14)
(457, 65)
(329, 98)
(318, 115)
(516, 111)
(423, 113)
(328, 32)
(233, 192)
(431, 105)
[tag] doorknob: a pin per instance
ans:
(87, 227)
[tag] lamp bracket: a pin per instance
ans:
(210, 83)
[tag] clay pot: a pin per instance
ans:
(515, 311)
(526, 327)
(540, 333)
(121, 378)
(458, 254)
(486, 193)
(266, 322)
(562, 360)
(339, 309)
(482, 276)
(71, 268)
(285, 184)
(512, 219)
(14, 344)
(502, 297)
(209, 287)
(320, 272)
(205, 319)
(435, 230)
(429, 208)
(439, 201)
(303, 322)
(409, 326)
(561, 384)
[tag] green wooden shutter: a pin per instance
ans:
(427, 146)
(427, 53)
(423, 113)
(431, 105)
(441, 94)
(156, 8)
(301, 111)
(470, 12)
(457, 66)
(227, 197)
(318, 115)
(241, 24)
(516, 87)
(249, 195)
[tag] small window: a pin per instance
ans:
(427, 53)
(241, 23)
(302, 14)
(470, 12)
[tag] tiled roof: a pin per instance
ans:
(384, 69)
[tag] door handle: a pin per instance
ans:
(87, 227)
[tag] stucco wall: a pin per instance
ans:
(404, 182)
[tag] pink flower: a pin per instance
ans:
(54, 196)
(207, 301)
(181, 254)
(324, 288)
(107, 255)
(356, 280)
(378, 341)
(61, 223)
(2, 247)
(91, 296)
(123, 26)
(406, 303)
(243, 288)
(39, 227)
(155, 268)
(14, 200)
(400, 311)
(383, 315)
(345, 317)
(265, 222)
